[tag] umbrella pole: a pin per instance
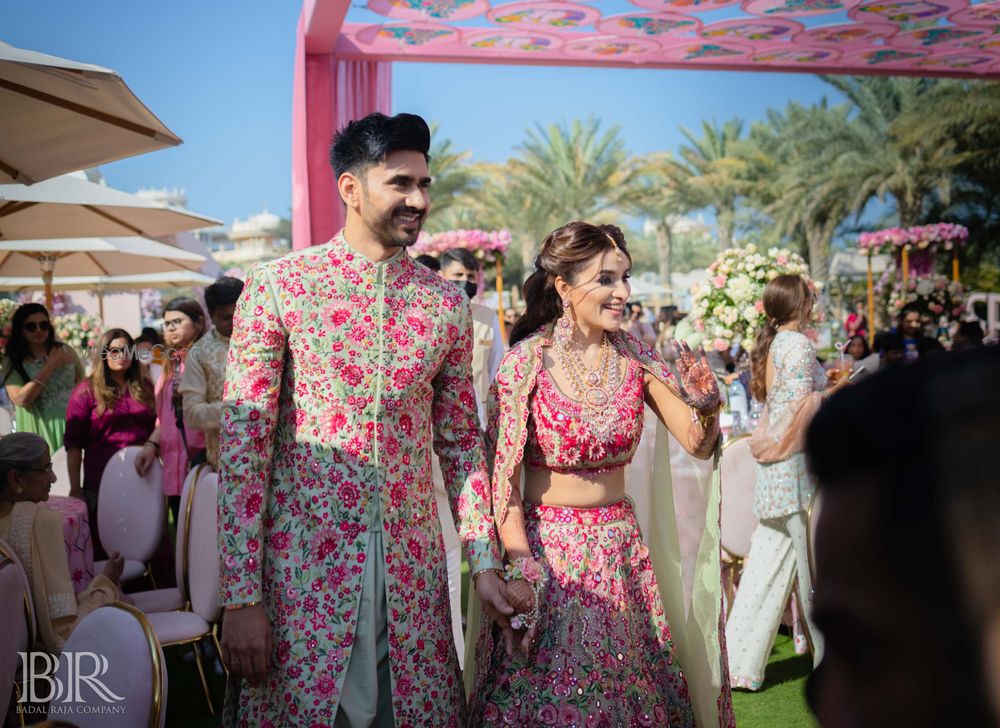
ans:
(871, 304)
(48, 268)
(100, 303)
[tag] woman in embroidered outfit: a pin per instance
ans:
(604, 636)
(39, 374)
(788, 378)
(183, 324)
(110, 410)
(36, 535)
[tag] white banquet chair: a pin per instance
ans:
(739, 480)
(14, 637)
(120, 637)
(172, 598)
(131, 512)
(193, 627)
(6, 422)
(60, 466)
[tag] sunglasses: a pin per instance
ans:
(30, 326)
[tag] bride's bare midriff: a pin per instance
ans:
(545, 487)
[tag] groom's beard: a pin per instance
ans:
(394, 230)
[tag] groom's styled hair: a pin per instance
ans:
(365, 142)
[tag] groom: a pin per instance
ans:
(348, 362)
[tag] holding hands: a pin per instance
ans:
(698, 387)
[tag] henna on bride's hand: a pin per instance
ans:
(699, 388)
(521, 596)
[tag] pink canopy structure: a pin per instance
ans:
(343, 69)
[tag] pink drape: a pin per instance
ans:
(328, 93)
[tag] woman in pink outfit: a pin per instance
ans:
(183, 324)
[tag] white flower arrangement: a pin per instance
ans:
(727, 309)
(80, 331)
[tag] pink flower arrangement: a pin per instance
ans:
(944, 235)
(727, 307)
(481, 242)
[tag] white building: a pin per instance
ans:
(263, 236)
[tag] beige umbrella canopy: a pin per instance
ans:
(91, 257)
(104, 284)
(58, 116)
(68, 206)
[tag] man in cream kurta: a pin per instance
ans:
(348, 362)
(461, 267)
(205, 366)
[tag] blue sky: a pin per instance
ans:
(219, 74)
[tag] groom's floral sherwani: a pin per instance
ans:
(341, 372)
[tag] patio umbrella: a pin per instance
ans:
(67, 206)
(58, 116)
(91, 257)
(103, 284)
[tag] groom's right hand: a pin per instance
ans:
(246, 643)
(492, 595)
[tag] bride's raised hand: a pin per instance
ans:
(698, 386)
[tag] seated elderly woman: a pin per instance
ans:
(36, 535)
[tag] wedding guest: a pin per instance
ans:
(636, 325)
(205, 367)
(787, 377)
(968, 336)
(183, 324)
(39, 374)
(906, 545)
(112, 409)
(916, 344)
(36, 535)
(857, 322)
(461, 267)
(429, 261)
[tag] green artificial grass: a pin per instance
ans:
(781, 704)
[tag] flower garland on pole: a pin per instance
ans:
(489, 246)
(914, 250)
(728, 308)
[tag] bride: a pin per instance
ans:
(603, 632)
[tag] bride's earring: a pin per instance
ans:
(564, 325)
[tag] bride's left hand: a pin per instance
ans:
(699, 388)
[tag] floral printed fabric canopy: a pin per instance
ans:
(918, 37)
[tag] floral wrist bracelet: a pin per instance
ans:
(529, 570)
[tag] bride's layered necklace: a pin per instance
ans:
(593, 387)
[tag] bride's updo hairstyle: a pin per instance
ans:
(565, 252)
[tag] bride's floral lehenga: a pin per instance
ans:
(604, 655)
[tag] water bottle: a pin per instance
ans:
(738, 406)
(756, 409)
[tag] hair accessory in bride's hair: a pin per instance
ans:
(614, 244)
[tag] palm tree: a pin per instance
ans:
(561, 173)
(452, 177)
(711, 174)
(800, 195)
(871, 156)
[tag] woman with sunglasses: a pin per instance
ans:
(36, 535)
(40, 374)
(112, 409)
